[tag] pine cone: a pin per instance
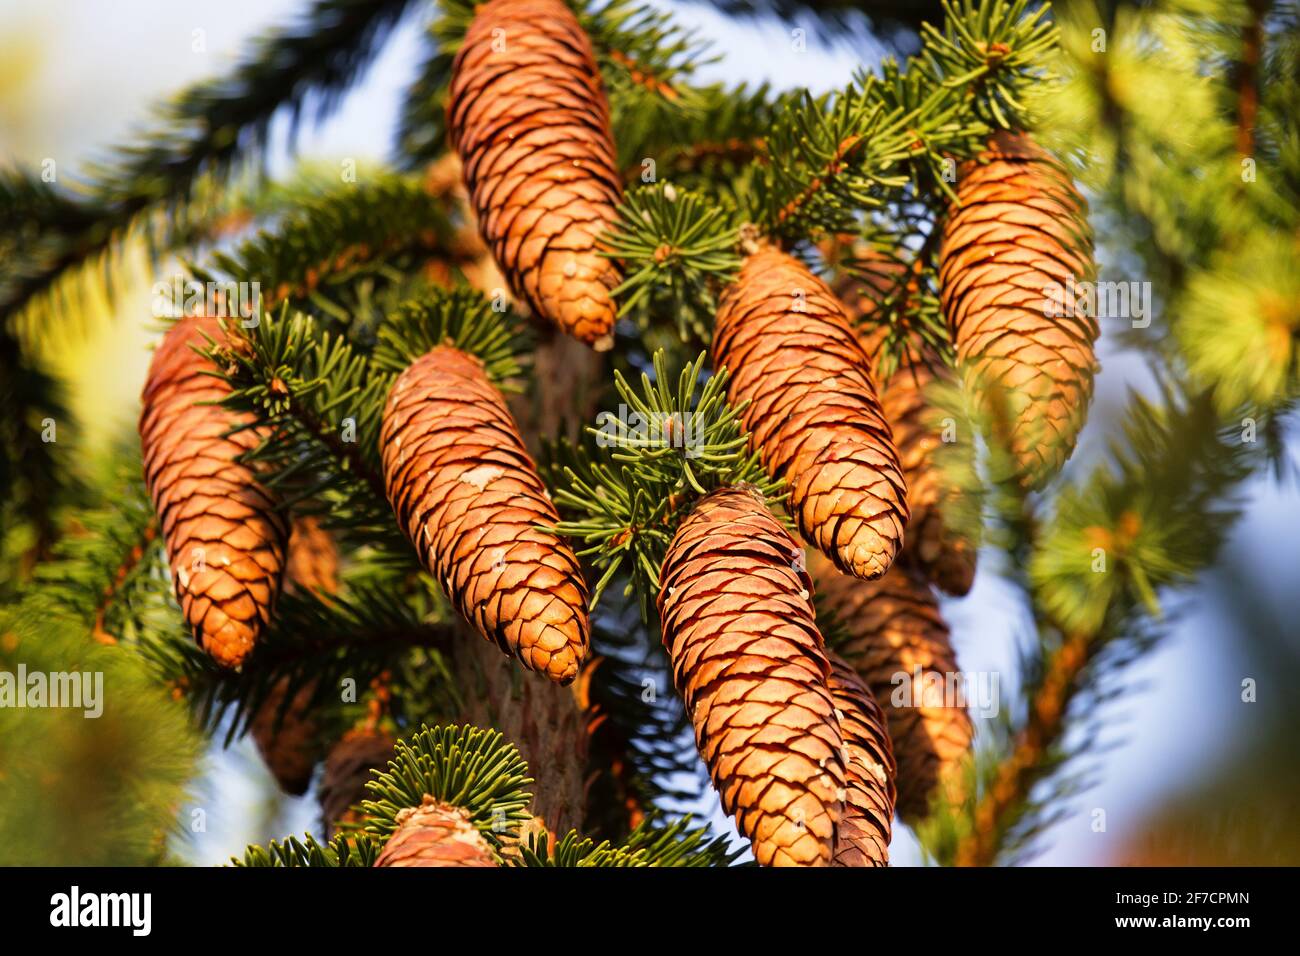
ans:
(897, 637)
(813, 413)
(947, 558)
(528, 115)
(347, 771)
(289, 745)
(748, 659)
(436, 834)
(1018, 231)
(225, 540)
(469, 497)
(863, 835)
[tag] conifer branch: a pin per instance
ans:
(664, 450)
(1147, 543)
(209, 129)
(476, 770)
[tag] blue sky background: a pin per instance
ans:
(93, 68)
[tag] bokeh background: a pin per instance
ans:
(1186, 769)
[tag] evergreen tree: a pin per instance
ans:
(620, 432)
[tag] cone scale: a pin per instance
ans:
(898, 641)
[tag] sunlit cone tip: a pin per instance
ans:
(467, 494)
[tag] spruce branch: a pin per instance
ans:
(377, 232)
(34, 474)
(345, 850)
(649, 845)
(827, 159)
(1030, 756)
(676, 248)
(1155, 516)
(107, 574)
(992, 52)
(463, 319)
(358, 635)
(663, 450)
(476, 770)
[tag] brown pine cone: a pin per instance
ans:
(470, 499)
(1018, 231)
(736, 609)
(528, 115)
(436, 834)
(863, 835)
(347, 771)
(813, 413)
(947, 558)
(225, 540)
(897, 637)
(289, 745)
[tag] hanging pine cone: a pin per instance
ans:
(736, 609)
(225, 540)
(436, 834)
(1018, 231)
(470, 499)
(347, 771)
(528, 115)
(897, 637)
(813, 413)
(289, 744)
(863, 835)
(947, 558)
